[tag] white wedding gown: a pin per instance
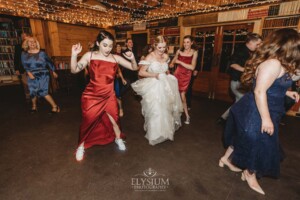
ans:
(161, 103)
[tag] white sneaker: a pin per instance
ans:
(79, 153)
(120, 144)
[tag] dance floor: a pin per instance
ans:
(38, 162)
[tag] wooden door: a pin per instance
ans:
(231, 38)
(205, 41)
(216, 44)
(139, 42)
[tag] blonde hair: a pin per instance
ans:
(25, 45)
(160, 39)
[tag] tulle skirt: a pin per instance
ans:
(161, 107)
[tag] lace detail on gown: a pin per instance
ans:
(161, 103)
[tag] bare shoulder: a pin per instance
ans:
(87, 54)
(271, 67)
(166, 57)
(271, 64)
(117, 57)
(149, 56)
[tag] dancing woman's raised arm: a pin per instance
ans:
(82, 63)
(129, 65)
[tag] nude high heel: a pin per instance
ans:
(256, 187)
(223, 162)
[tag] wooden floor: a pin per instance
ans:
(38, 163)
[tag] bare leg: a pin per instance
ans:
(225, 161)
(228, 152)
(183, 99)
(115, 126)
(52, 103)
(117, 131)
(33, 100)
(121, 112)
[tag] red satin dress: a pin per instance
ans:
(183, 74)
(98, 100)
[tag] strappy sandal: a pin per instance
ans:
(33, 110)
(57, 110)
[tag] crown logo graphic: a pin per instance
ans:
(150, 172)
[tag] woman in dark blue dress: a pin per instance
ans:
(251, 133)
(119, 83)
(35, 63)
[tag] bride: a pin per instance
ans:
(161, 103)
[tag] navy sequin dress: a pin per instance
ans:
(37, 63)
(253, 150)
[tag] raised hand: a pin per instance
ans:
(129, 55)
(76, 49)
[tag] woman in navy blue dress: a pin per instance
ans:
(35, 63)
(119, 83)
(251, 133)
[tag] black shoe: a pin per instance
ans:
(33, 110)
(55, 111)
(221, 121)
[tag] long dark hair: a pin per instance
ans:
(101, 36)
(191, 38)
(283, 45)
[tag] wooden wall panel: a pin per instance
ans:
(37, 31)
(193, 20)
(54, 38)
(72, 34)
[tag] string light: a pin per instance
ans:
(132, 11)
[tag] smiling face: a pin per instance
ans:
(118, 48)
(160, 48)
(105, 46)
(129, 44)
(32, 44)
(187, 43)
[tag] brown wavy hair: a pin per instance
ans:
(283, 45)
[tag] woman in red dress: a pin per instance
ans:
(186, 59)
(100, 119)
